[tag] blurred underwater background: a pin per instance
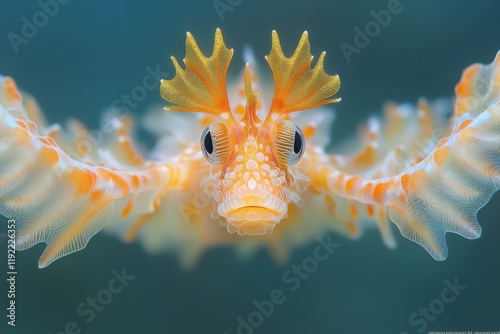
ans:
(89, 53)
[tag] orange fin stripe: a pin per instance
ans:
(136, 227)
(63, 202)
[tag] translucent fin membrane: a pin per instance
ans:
(444, 192)
(58, 200)
(445, 184)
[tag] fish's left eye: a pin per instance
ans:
(289, 142)
(214, 143)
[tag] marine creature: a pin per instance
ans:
(260, 175)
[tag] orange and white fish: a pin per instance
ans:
(260, 175)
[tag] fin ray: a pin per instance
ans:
(297, 85)
(61, 201)
(202, 85)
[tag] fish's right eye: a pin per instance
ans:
(214, 143)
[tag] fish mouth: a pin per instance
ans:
(254, 214)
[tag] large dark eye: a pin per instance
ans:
(289, 142)
(298, 144)
(209, 144)
(214, 143)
